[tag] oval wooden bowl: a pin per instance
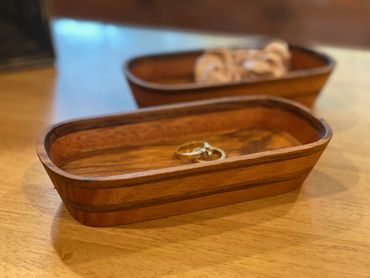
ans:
(168, 78)
(120, 169)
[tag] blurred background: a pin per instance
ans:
(88, 41)
(342, 22)
(25, 35)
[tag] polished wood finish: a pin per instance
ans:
(271, 146)
(319, 230)
(169, 78)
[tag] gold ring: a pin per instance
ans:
(199, 151)
(189, 151)
(215, 154)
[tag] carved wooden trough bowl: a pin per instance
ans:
(168, 78)
(121, 169)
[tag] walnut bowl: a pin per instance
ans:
(168, 78)
(121, 169)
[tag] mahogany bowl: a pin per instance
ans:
(168, 78)
(120, 169)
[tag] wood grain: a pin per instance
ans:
(169, 78)
(321, 230)
(260, 161)
(160, 155)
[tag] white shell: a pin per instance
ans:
(280, 48)
(230, 65)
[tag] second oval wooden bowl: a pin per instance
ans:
(122, 168)
(168, 78)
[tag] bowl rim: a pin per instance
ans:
(175, 88)
(155, 174)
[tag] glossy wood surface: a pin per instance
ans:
(321, 230)
(114, 161)
(129, 172)
(169, 78)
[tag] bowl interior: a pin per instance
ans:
(130, 146)
(177, 68)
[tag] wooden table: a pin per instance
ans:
(323, 230)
